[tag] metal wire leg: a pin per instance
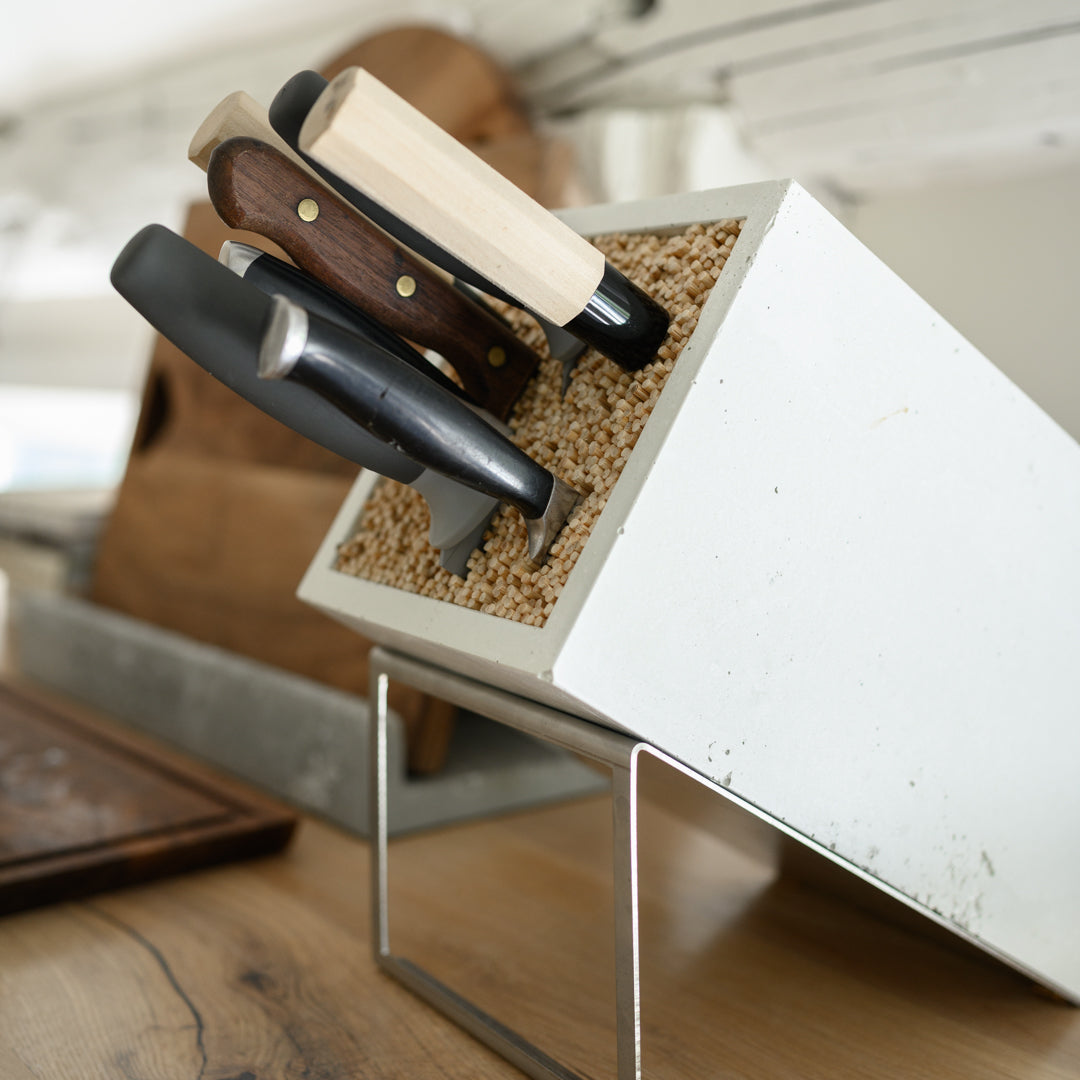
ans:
(627, 942)
(611, 748)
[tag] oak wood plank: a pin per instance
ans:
(263, 970)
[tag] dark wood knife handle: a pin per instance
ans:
(255, 187)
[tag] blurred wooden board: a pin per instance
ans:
(222, 508)
(84, 807)
(449, 80)
(214, 552)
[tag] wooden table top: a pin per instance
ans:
(262, 969)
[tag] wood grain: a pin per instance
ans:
(254, 187)
(85, 807)
(262, 969)
(380, 144)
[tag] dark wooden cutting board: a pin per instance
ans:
(86, 806)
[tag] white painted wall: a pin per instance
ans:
(1000, 260)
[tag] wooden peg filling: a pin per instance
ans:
(586, 439)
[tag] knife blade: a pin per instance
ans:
(192, 300)
(394, 401)
(255, 187)
(376, 142)
(286, 116)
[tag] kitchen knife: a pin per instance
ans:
(213, 314)
(454, 512)
(287, 114)
(255, 187)
(217, 319)
(273, 276)
(378, 143)
(400, 405)
(240, 114)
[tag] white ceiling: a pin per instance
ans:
(865, 93)
(870, 93)
(53, 47)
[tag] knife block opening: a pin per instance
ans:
(585, 438)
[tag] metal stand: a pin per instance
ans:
(619, 752)
(622, 754)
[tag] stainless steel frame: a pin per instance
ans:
(617, 751)
(622, 754)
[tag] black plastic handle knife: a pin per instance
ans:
(393, 400)
(217, 319)
(274, 276)
(211, 314)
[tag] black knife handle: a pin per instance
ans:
(397, 403)
(287, 113)
(218, 320)
(622, 321)
(275, 277)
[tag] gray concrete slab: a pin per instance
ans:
(296, 738)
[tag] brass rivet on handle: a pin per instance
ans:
(406, 285)
(496, 356)
(308, 209)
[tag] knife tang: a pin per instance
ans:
(255, 187)
(400, 405)
(378, 143)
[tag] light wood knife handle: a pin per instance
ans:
(236, 115)
(380, 144)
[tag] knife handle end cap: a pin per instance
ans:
(622, 321)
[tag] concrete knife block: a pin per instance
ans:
(839, 576)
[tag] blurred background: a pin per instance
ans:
(944, 133)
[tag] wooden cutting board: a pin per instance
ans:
(86, 806)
